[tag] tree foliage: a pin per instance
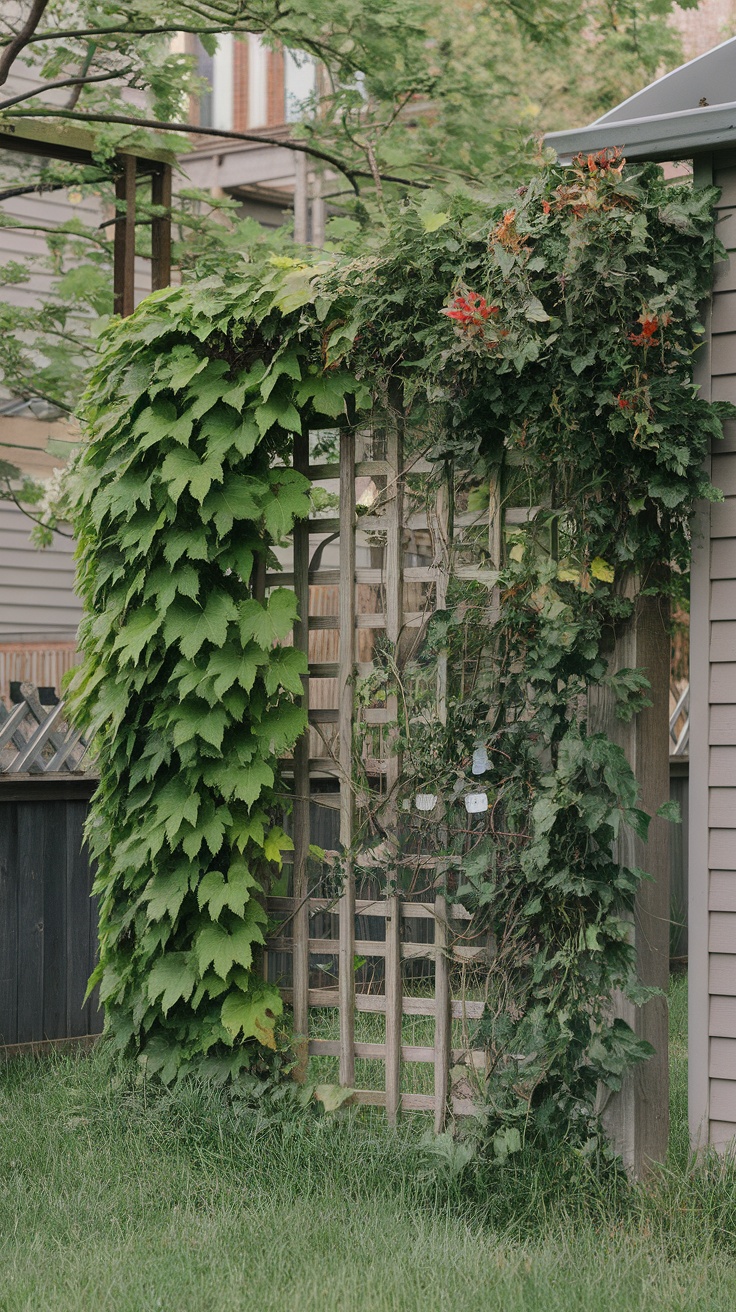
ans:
(420, 91)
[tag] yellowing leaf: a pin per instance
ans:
(566, 574)
(600, 569)
(253, 1014)
(434, 219)
(332, 1096)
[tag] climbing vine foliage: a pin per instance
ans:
(188, 683)
(545, 348)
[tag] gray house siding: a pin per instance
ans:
(37, 599)
(713, 725)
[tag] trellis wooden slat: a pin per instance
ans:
(334, 935)
(300, 920)
(347, 946)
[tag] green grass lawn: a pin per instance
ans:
(113, 1197)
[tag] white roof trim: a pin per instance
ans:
(667, 137)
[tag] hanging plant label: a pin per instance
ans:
(480, 760)
(476, 802)
(425, 801)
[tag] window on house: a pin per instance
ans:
(299, 84)
(216, 104)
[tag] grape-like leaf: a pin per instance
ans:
(171, 978)
(191, 625)
(268, 622)
(253, 1014)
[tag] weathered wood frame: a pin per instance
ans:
(77, 146)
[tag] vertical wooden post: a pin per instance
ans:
(301, 197)
(124, 241)
(637, 1118)
(161, 228)
(439, 521)
(394, 594)
(300, 925)
(346, 908)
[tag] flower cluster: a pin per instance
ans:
(650, 323)
(470, 310)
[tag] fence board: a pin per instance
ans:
(8, 926)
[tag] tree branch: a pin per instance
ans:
(22, 39)
(128, 120)
(77, 81)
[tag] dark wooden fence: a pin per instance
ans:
(48, 929)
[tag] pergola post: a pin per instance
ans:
(124, 242)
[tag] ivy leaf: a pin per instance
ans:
(166, 892)
(191, 625)
(244, 384)
(600, 569)
(269, 622)
(191, 542)
(210, 829)
(216, 892)
(181, 366)
(176, 802)
(184, 468)
(192, 721)
(275, 842)
(253, 1014)
(239, 498)
(163, 585)
(325, 393)
(280, 727)
(172, 979)
(228, 666)
(245, 783)
(222, 950)
(285, 668)
(279, 409)
(208, 389)
(287, 363)
(136, 633)
(333, 1096)
(670, 811)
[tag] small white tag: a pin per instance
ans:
(425, 801)
(475, 802)
(480, 760)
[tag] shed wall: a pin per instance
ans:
(713, 720)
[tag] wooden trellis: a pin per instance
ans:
(386, 596)
(36, 739)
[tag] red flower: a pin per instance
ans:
(469, 310)
(624, 403)
(546, 206)
(649, 326)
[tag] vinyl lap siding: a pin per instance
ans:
(37, 599)
(720, 950)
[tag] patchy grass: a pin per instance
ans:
(113, 1197)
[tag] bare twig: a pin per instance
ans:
(21, 39)
(77, 82)
(129, 120)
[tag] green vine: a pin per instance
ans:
(183, 490)
(546, 348)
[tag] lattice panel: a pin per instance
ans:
(35, 739)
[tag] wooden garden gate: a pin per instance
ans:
(390, 574)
